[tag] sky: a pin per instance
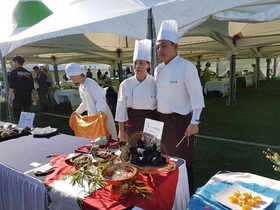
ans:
(7, 9)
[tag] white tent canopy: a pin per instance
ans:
(90, 31)
(113, 21)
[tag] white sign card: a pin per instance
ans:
(26, 119)
(153, 127)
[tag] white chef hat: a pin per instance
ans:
(168, 31)
(73, 69)
(142, 50)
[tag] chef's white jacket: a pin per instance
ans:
(136, 95)
(178, 87)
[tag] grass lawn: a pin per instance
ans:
(230, 138)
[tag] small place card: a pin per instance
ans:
(153, 127)
(26, 120)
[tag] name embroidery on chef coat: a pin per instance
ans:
(172, 82)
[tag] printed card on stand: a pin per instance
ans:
(153, 127)
(26, 119)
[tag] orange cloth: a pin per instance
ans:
(89, 126)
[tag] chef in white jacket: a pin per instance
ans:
(179, 97)
(92, 95)
(137, 94)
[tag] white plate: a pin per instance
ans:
(222, 197)
(44, 131)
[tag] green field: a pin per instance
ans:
(230, 138)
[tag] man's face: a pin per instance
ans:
(16, 64)
(166, 50)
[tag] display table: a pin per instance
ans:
(24, 190)
(19, 187)
(222, 180)
(70, 95)
(220, 86)
(245, 80)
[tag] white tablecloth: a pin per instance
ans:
(217, 85)
(70, 95)
(224, 179)
(245, 177)
(249, 80)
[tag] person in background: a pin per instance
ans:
(198, 67)
(206, 74)
(21, 88)
(106, 79)
(179, 97)
(128, 73)
(89, 74)
(137, 94)
(42, 90)
(49, 76)
(111, 97)
(51, 90)
(65, 77)
(92, 95)
(99, 74)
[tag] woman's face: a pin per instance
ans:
(140, 68)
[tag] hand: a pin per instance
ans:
(10, 102)
(192, 129)
(102, 113)
(74, 113)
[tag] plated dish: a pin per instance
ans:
(44, 131)
(223, 198)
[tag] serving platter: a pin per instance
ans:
(44, 131)
(222, 197)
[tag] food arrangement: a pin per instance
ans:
(146, 154)
(119, 172)
(10, 130)
(119, 176)
(239, 197)
(245, 200)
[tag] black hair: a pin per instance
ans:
(19, 59)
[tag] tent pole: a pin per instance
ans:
(232, 84)
(268, 61)
(119, 51)
(55, 70)
(257, 85)
(151, 34)
(274, 67)
(7, 87)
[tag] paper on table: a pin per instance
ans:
(43, 169)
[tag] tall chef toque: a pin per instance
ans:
(142, 50)
(73, 69)
(168, 31)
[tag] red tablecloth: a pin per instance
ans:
(162, 184)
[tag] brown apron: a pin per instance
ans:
(136, 120)
(174, 128)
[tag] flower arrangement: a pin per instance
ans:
(274, 157)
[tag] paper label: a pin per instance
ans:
(153, 127)
(26, 120)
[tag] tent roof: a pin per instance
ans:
(96, 31)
